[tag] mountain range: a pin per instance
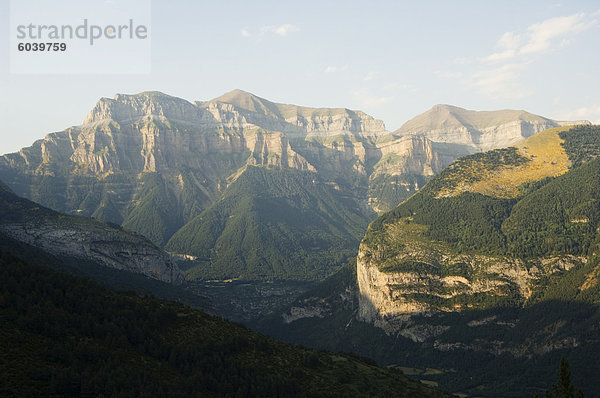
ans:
(242, 187)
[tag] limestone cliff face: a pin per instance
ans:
(83, 238)
(488, 138)
(388, 298)
(129, 108)
(274, 149)
(317, 123)
(480, 130)
(410, 154)
(150, 144)
(106, 247)
(152, 132)
(242, 108)
(404, 164)
(105, 167)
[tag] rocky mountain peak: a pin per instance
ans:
(246, 101)
(480, 130)
(289, 118)
(126, 108)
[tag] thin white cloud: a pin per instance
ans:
(591, 113)
(542, 36)
(278, 30)
(335, 69)
(502, 82)
(508, 43)
(369, 76)
(516, 50)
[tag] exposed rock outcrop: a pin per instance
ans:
(388, 298)
(480, 130)
(119, 250)
(83, 238)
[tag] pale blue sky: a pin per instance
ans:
(391, 59)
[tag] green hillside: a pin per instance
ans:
(158, 215)
(65, 336)
(546, 218)
(273, 224)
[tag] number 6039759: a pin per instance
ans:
(42, 46)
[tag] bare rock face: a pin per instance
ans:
(388, 298)
(241, 107)
(152, 131)
(404, 164)
(410, 154)
(126, 137)
(129, 108)
(480, 130)
(83, 238)
(107, 247)
(274, 149)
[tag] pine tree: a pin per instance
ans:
(564, 388)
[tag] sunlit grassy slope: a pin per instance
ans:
(533, 159)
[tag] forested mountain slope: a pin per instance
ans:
(63, 335)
